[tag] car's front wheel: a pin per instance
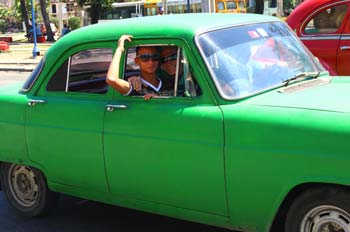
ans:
(320, 210)
(26, 189)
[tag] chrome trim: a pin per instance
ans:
(68, 71)
(33, 102)
(331, 37)
(345, 37)
(111, 107)
(177, 70)
(342, 48)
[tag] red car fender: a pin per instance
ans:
(329, 68)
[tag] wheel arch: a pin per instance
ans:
(279, 219)
(38, 167)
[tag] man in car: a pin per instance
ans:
(147, 58)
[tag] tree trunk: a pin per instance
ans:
(280, 7)
(259, 6)
(46, 19)
(24, 13)
(95, 12)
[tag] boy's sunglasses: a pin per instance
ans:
(147, 57)
(169, 58)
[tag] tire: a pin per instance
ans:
(26, 190)
(320, 210)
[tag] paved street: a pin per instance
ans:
(78, 215)
(12, 77)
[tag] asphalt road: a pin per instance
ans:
(78, 215)
(12, 77)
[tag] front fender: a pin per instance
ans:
(12, 125)
(332, 71)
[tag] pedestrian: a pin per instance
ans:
(65, 30)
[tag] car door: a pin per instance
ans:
(322, 33)
(343, 58)
(64, 120)
(167, 150)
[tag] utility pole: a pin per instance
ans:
(36, 50)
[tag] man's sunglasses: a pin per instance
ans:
(169, 58)
(147, 57)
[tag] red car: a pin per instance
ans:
(324, 27)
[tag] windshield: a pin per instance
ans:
(248, 59)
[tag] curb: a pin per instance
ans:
(15, 69)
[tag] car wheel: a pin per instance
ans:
(26, 190)
(320, 210)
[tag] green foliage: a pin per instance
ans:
(96, 7)
(3, 25)
(6, 13)
(74, 23)
(103, 3)
(288, 4)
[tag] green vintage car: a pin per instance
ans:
(252, 137)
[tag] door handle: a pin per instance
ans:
(33, 102)
(342, 48)
(111, 107)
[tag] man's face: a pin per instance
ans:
(169, 57)
(148, 59)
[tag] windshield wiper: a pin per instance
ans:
(304, 75)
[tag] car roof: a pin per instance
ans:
(176, 26)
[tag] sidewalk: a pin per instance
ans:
(19, 56)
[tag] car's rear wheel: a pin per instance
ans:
(320, 210)
(26, 189)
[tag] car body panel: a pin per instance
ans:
(295, 118)
(12, 124)
(328, 46)
(195, 163)
(203, 178)
(229, 163)
(344, 54)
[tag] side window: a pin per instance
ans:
(231, 5)
(174, 72)
(84, 72)
(220, 6)
(327, 21)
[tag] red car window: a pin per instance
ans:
(326, 21)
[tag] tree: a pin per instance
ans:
(259, 6)
(24, 15)
(6, 18)
(74, 23)
(95, 7)
(46, 20)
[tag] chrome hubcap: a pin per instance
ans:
(326, 218)
(23, 185)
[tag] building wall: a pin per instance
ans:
(8, 3)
